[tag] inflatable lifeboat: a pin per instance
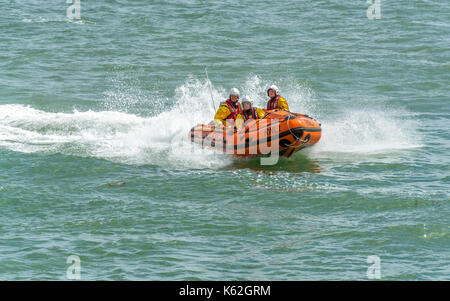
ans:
(279, 131)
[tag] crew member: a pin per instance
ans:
(230, 111)
(276, 101)
(249, 112)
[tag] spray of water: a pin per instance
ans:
(368, 131)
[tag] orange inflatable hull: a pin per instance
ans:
(279, 131)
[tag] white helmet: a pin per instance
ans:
(246, 99)
(234, 92)
(274, 88)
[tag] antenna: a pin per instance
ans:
(210, 89)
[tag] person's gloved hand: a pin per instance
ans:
(239, 124)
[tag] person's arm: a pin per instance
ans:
(261, 113)
(239, 122)
(221, 114)
(282, 104)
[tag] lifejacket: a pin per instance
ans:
(234, 111)
(252, 115)
(273, 103)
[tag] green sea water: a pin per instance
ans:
(95, 161)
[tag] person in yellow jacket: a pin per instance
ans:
(230, 111)
(276, 101)
(249, 112)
